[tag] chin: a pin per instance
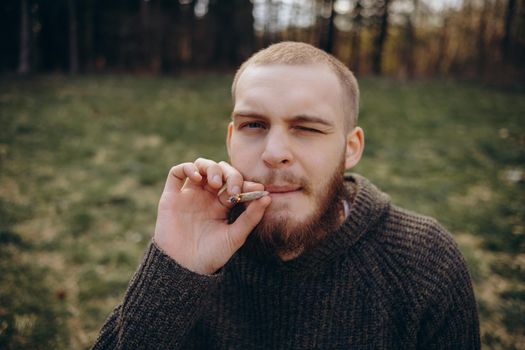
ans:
(283, 215)
(273, 216)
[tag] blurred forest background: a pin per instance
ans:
(482, 39)
(98, 99)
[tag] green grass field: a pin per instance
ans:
(83, 162)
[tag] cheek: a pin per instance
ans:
(322, 167)
(243, 155)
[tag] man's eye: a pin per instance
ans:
(253, 125)
(307, 129)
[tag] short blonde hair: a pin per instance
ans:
(297, 53)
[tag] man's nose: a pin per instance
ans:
(278, 152)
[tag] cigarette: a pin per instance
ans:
(247, 196)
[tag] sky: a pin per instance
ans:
(301, 13)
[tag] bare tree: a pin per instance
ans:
(482, 28)
(356, 37)
(88, 35)
(410, 40)
(234, 30)
(442, 47)
(330, 35)
(145, 33)
(380, 39)
(73, 42)
(507, 36)
(24, 64)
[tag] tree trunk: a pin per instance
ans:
(481, 39)
(145, 37)
(244, 28)
(506, 43)
(24, 64)
(270, 20)
(88, 36)
(157, 37)
(379, 42)
(226, 37)
(442, 48)
(329, 46)
(356, 39)
(410, 37)
(73, 43)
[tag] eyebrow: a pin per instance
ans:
(301, 118)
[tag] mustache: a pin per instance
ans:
(284, 177)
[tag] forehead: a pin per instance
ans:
(290, 89)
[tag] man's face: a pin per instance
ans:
(288, 134)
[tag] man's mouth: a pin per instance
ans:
(282, 189)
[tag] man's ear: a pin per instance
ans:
(355, 145)
(229, 138)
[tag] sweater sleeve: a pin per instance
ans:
(160, 307)
(451, 320)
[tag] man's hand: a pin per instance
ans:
(192, 218)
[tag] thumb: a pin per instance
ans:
(247, 221)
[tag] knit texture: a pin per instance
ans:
(387, 279)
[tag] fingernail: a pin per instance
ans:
(216, 179)
(236, 190)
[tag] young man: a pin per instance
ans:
(321, 262)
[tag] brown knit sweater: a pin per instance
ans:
(387, 279)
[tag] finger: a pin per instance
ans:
(233, 178)
(247, 221)
(249, 186)
(193, 176)
(212, 171)
(178, 175)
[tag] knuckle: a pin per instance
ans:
(201, 161)
(215, 167)
(225, 166)
(235, 177)
(176, 168)
(231, 173)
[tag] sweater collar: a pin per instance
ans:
(367, 206)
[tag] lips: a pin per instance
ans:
(278, 189)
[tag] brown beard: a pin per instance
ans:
(270, 238)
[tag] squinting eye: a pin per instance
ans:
(304, 128)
